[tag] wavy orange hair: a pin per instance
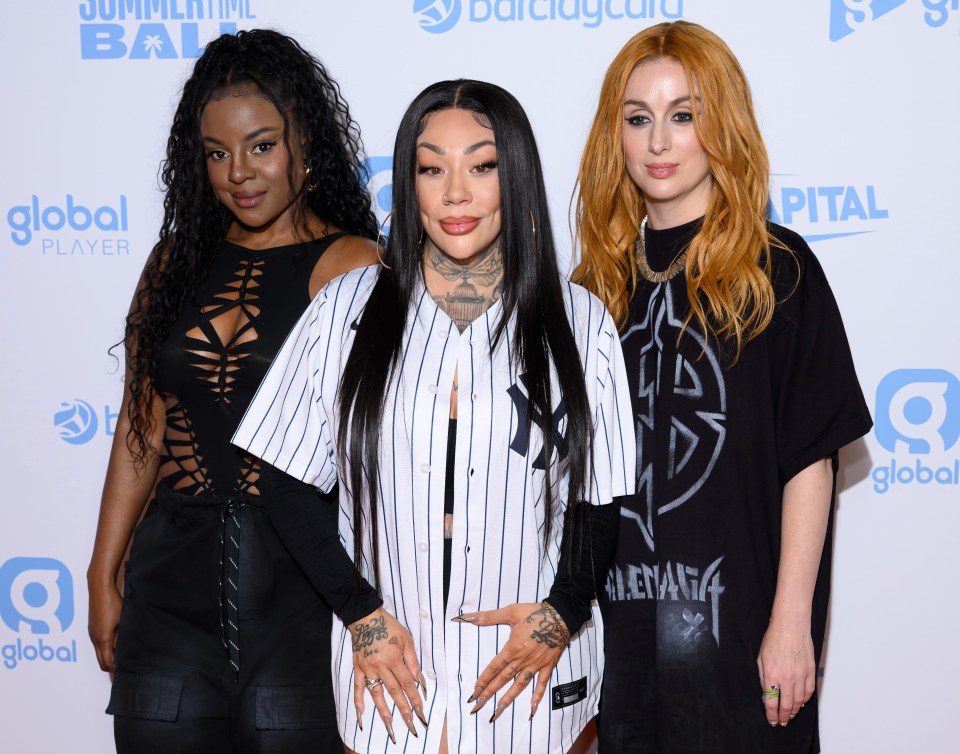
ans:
(728, 261)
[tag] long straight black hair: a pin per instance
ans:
(532, 293)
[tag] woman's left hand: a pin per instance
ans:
(535, 645)
(786, 664)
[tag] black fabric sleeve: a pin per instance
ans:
(306, 520)
(819, 406)
(582, 570)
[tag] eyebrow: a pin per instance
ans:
(467, 150)
(672, 103)
(249, 137)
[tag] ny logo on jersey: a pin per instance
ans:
(527, 414)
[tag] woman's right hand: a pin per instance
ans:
(102, 622)
(383, 650)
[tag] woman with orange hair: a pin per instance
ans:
(744, 390)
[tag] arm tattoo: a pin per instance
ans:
(545, 629)
(367, 633)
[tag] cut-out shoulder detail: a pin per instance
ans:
(216, 355)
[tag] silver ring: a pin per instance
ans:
(372, 683)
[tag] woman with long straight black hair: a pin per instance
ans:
(472, 406)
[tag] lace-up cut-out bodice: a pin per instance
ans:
(217, 353)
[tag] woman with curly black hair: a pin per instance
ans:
(220, 642)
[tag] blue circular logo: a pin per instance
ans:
(76, 422)
(437, 16)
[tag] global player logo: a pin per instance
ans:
(36, 602)
(437, 16)
(918, 421)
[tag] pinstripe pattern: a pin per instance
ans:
(498, 554)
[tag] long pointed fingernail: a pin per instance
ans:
(497, 711)
(409, 721)
(419, 711)
(423, 687)
(533, 711)
(360, 723)
(473, 697)
(465, 618)
(390, 732)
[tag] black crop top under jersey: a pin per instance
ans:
(207, 383)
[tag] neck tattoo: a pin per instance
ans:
(470, 289)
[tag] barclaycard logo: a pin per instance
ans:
(376, 173)
(848, 16)
(440, 16)
(155, 29)
(36, 603)
(77, 422)
(437, 16)
(820, 213)
(918, 422)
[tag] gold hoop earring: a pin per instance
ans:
(310, 185)
(380, 237)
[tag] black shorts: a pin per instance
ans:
(175, 689)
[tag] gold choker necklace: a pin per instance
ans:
(640, 252)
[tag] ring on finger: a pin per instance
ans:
(372, 683)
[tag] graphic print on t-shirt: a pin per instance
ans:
(681, 411)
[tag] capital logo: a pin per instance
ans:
(36, 595)
(437, 16)
(76, 422)
(847, 16)
(918, 411)
(377, 176)
(822, 212)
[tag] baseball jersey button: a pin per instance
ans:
(431, 675)
(433, 389)
(425, 468)
(422, 546)
(424, 614)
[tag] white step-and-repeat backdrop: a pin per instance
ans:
(858, 100)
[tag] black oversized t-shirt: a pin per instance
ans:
(691, 590)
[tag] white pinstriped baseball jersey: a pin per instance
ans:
(498, 552)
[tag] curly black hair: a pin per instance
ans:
(195, 222)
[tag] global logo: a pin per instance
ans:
(377, 176)
(76, 422)
(437, 16)
(36, 601)
(848, 16)
(822, 212)
(917, 420)
(36, 595)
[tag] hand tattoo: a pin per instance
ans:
(366, 634)
(545, 630)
